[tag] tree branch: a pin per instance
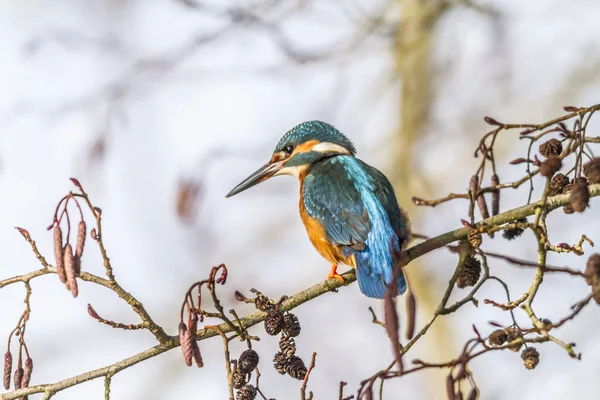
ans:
(170, 342)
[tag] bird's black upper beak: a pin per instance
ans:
(261, 175)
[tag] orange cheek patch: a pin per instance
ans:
(304, 147)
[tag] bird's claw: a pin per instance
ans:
(333, 274)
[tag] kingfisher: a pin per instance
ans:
(348, 207)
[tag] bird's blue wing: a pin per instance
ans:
(356, 205)
(332, 199)
(386, 196)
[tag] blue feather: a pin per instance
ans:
(374, 264)
(356, 205)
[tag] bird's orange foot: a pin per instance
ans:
(333, 274)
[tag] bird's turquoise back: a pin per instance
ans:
(356, 206)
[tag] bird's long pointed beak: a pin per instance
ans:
(261, 175)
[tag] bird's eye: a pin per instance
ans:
(288, 149)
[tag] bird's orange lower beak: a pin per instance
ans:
(261, 175)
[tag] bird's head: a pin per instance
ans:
(297, 150)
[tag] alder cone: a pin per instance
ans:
(274, 322)
(291, 325)
(248, 361)
(550, 166)
(530, 357)
(592, 170)
(580, 197)
(296, 368)
(247, 392)
(470, 273)
(550, 148)
(238, 380)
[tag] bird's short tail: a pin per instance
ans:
(374, 285)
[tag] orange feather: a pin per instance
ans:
(318, 237)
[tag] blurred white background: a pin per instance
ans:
(135, 97)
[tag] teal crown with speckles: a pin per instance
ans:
(314, 130)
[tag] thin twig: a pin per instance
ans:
(305, 380)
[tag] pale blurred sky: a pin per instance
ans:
(60, 63)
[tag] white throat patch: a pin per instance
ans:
(294, 171)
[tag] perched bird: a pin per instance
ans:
(349, 208)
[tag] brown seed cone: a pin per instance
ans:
(580, 197)
(567, 208)
(530, 357)
(470, 273)
(498, 337)
(8, 360)
(70, 270)
(248, 361)
(280, 362)
(512, 334)
(592, 269)
(550, 166)
(287, 346)
(552, 147)
(495, 195)
(474, 238)
(568, 187)
(296, 368)
(81, 231)
(186, 344)
(262, 302)
(558, 184)
(59, 254)
(592, 170)
(18, 377)
(238, 379)
(247, 392)
(27, 372)
(512, 233)
(273, 322)
(291, 325)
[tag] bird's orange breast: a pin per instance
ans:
(318, 237)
